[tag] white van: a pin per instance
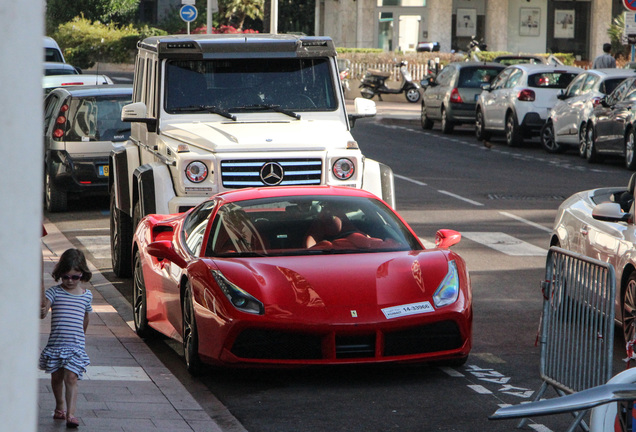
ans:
(52, 51)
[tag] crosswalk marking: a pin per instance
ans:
(505, 243)
(98, 246)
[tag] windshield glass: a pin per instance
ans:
(307, 225)
(245, 85)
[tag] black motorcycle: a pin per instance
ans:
(373, 84)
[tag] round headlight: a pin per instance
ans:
(196, 171)
(343, 169)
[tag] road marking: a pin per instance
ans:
(539, 428)
(526, 221)
(109, 373)
(479, 389)
(409, 180)
(505, 243)
(98, 246)
(460, 198)
(451, 372)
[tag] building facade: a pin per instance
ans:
(528, 26)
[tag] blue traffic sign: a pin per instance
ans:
(630, 4)
(188, 13)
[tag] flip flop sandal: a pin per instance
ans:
(59, 414)
(72, 422)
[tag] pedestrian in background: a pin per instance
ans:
(605, 60)
(64, 356)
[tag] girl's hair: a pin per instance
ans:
(72, 259)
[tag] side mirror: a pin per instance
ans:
(362, 108)
(136, 113)
(562, 96)
(610, 212)
(446, 238)
(163, 250)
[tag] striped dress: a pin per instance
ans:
(66, 347)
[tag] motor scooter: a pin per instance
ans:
(373, 84)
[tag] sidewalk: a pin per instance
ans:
(127, 388)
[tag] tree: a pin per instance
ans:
(105, 11)
(238, 10)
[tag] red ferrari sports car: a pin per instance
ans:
(300, 276)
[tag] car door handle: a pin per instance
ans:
(584, 231)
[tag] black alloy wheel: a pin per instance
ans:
(591, 154)
(190, 333)
(139, 301)
(582, 140)
(630, 160)
(55, 199)
(628, 305)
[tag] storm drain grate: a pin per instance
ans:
(526, 197)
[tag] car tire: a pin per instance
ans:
(591, 154)
(630, 157)
(139, 301)
(548, 140)
(55, 199)
(190, 333)
(427, 123)
(480, 128)
(447, 125)
(513, 132)
(413, 95)
(628, 308)
(121, 232)
(582, 140)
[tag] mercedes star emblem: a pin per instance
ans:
(272, 174)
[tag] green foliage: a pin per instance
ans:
(236, 11)
(106, 11)
(296, 17)
(86, 42)
(615, 32)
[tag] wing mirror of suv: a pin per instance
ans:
(362, 108)
(137, 112)
(610, 212)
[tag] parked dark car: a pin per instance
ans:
(610, 131)
(450, 96)
(81, 126)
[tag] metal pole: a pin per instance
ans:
(208, 22)
(273, 17)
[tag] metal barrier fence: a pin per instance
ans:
(577, 324)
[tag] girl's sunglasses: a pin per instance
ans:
(71, 277)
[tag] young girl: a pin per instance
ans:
(64, 356)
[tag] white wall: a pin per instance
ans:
(21, 30)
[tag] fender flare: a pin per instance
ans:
(378, 179)
(119, 180)
(152, 188)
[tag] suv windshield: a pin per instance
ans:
(245, 85)
(97, 118)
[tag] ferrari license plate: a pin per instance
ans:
(103, 170)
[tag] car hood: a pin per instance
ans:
(266, 135)
(350, 287)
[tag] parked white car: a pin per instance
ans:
(519, 100)
(52, 51)
(599, 223)
(565, 126)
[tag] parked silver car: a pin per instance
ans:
(450, 96)
(519, 100)
(566, 124)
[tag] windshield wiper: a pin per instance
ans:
(276, 108)
(209, 108)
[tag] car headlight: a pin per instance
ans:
(343, 169)
(238, 297)
(448, 290)
(196, 171)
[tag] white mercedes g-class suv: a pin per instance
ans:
(212, 113)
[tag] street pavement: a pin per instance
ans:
(126, 387)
